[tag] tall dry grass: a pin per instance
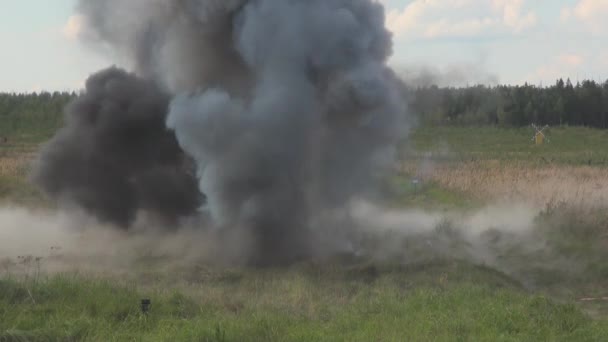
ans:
(518, 181)
(15, 164)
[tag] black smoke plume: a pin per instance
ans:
(115, 157)
(287, 108)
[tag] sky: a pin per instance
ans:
(451, 42)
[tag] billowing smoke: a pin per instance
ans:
(286, 107)
(115, 156)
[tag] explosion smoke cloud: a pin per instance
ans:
(115, 157)
(287, 108)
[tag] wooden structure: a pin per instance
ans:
(539, 137)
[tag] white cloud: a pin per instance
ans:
(459, 18)
(513, 16)
(590, 13)
(74, 27)
(603, 59)
(559, 67)
(571, 60)
(472, 27)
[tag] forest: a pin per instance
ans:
(563, 103)
(37, 114)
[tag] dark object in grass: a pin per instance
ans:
(145, 306)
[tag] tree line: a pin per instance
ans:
(34, 114)
(563, 103)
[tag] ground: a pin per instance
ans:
(516, 255)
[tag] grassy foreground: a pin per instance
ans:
(440, 301)
(432, 300)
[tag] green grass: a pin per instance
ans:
(567, 145)
(441, 301)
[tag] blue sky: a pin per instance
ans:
(461, 41)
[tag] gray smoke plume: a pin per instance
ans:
(286, 106)
(181, 44)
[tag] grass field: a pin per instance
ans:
(433, 302)
(566, 145)
(545, 285)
